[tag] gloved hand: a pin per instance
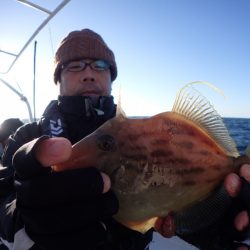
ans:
(224, 233)
(58, 202)
(231, 228)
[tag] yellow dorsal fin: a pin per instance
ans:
(191, 104)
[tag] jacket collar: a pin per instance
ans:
(100, 106)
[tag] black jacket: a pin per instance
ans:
(73, 118)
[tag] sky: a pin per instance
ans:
(159, 47)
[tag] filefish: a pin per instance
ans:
(167, 163)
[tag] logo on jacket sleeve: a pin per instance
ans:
(56, 127)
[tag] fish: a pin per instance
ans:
(166, 163)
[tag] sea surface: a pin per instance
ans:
(239, 130)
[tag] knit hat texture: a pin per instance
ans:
(82, 44)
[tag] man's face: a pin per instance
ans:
(90, 80)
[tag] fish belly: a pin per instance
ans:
(177, 166)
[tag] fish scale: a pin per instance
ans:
(167, 163)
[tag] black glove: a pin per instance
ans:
(222, 235)
(59, 202)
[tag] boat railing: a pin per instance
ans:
(15, 56)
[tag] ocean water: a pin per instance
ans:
(239, 130)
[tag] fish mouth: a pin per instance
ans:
(83, 155)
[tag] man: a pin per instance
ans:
(71, 209)
(7, 128)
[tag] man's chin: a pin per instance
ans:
(91, 94)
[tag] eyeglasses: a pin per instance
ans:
(76, 66)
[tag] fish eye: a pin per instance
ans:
(106, 143)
